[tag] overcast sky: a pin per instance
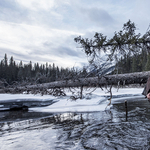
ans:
(44, 30)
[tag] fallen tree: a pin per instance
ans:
(117, 79)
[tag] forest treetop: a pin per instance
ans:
(11, 72)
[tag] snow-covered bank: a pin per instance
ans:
(24, 96)
(97, 101)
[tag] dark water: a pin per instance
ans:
(107, 130)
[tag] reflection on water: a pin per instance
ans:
(78, 131)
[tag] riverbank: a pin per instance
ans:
(95, 101)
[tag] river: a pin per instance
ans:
(100, 130)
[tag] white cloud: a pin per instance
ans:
(43, 30)
(36, 5)
(29, 40)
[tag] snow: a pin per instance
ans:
(97, 101)
(24, 96)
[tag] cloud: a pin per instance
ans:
(12, 12)
(36, 5)
(37, 44)
(98, 16)
(44, 30)
(66, 52)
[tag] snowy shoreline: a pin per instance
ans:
(96, 102)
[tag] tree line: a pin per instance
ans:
(12, 72)
(135, 63)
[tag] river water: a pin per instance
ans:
(104, 130)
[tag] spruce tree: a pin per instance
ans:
(147, 67)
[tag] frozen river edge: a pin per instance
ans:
(85, 125)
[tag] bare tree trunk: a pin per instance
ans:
(121, 79)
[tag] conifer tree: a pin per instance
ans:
(126, 41)
(147, 67)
